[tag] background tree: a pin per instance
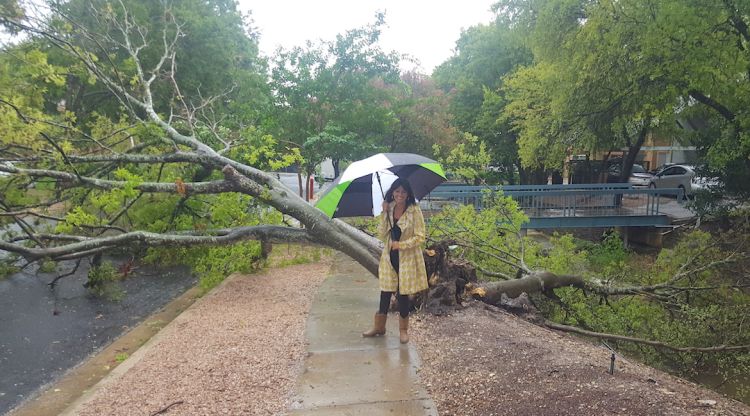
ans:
(467, 161)
(616, 71)
(348, 83)
(473, 79)
(331, 143)
(423, 117)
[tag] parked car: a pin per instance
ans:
(639, 177)
(675, 176)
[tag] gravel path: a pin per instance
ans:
(483, 361)
(238, 350)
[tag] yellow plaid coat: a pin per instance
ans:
(413, 275)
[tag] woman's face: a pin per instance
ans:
(400, 195)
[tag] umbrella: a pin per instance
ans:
(359, 190)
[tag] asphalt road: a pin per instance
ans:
(45, 332)
(291, 181)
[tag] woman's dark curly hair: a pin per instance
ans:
(410, 200)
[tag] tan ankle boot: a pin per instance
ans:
(378, 327)
(403, 328)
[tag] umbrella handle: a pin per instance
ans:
(387, 216)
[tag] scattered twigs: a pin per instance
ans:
(494, 274)
(70, 273)
(166, 408)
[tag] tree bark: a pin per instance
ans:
(492, 292)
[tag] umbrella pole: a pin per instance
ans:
(387, 215)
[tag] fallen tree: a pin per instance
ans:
(72, 158)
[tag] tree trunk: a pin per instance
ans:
(633, 149)
(336, 169)
(299, 180)
(307, 187)
(492, 292)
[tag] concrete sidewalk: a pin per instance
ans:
(346, 374)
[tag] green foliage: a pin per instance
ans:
(332, 143)
(489, 238)
(262, 151)
(75, 218)
(213, 264)
(707, 317)
(560, 255)
(535, 115)
(120, 357)
(348, 84)
(7, 268)
(25, 79)
(473, 79)
(47, 266)
(103, 282)
(467, 161)
(608, 256)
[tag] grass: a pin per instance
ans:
(284, 255)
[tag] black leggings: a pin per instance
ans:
(385, 302)
(385, 297)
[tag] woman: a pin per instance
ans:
(402, 270)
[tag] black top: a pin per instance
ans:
(395, 236)
(395, 232)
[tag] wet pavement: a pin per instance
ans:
(346, 374)
(45, 332)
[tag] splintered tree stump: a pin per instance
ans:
(447, 279)
(453, 280)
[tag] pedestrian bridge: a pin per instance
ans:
(574, 206)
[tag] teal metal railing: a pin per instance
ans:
(554, 206)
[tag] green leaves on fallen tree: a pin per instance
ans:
(263, 151)
(701, 302)
(490, 238)
(691, 295)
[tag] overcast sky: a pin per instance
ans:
(425, 29)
